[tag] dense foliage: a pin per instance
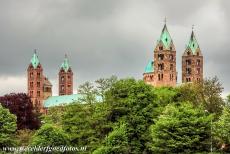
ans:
(21, 105)
(222, 130)
(128, 116)
(181, 128)
(49, 135)
(7, 128)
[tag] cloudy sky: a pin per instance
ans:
(107, 37)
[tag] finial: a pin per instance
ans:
(165, 20)
(65, 55)
(35, 51)
(192, 27)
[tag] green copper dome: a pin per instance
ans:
(65, 65)
(193, 44)
(165, 37)
(35, 61)
(149, 68)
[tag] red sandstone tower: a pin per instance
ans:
(192, 62)
(65, 78)
(39, 87)
(162, 70)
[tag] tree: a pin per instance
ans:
(228, 101)
(103, 85)
(7, 128)
(49, 135)
(86, 124)
(116, 142)
(135, 103)
(181, 128)
(88, 92)
(24, 136)
(206, 93)
(21, 105)
(221, 130)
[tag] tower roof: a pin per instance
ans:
(149, 68)
(165, 37)
(65, 65)
(193, 44)
(34, 60)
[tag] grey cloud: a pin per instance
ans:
(105, 37)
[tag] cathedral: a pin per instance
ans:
(161, 70)
(40, 88)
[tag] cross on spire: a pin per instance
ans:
(192, 27)
(165, 20)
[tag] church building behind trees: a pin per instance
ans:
(161, 70)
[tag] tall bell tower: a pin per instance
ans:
(35, 81)
(161, 71)
(65, 78)
(192, 61)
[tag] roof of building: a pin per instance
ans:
(65, 65)
(193, 44)
(65, 100)
(165, 37)
(34, 60)
(150, 67)
(47, 82)
(61, 100)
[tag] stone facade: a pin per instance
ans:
(162, 70)
(192, 62)
(65, 78)
(65, 82)
(39, 87)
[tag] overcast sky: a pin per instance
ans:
(107, 37)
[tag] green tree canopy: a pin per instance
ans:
(181, 128)
(116, 142)
(49, 135)
(221, 130)
(8, 128)
(206, 93)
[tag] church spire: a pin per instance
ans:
(34, 60)
(65, 65)
(193, 44)
(165, 37)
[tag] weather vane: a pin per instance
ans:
(192, 27)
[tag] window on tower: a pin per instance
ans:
(198, 70)
(188, 71)
(38, 84)
(160, 56)
(62, 88)
(62, 79)
(198, 62)
(171, 67)
(31, 74)
(31, 85)
(161, 48)
(188, 79)
(31, 93)
(38, 75)
(171, 77)
(38, 93)
(188, 62)
(171, 57)
(161, 67)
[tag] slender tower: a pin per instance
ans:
(65, 78)
(35, 81)
(192, 61)
(162, 70)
